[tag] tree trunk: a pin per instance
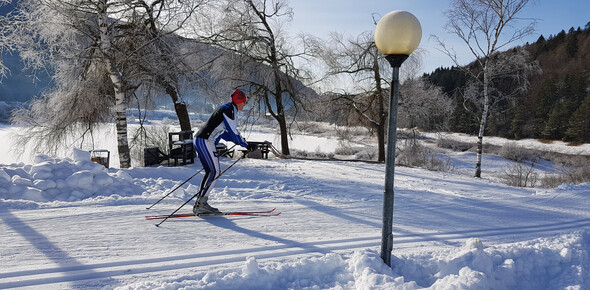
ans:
(179, 107)
(183, 117)
(479, 153)
(483, 122)
(280, 116)
(282, 126)
(284, 136)
(381, 143)
(381, 127)
(122, 141)
(482, 127)
(116, 79)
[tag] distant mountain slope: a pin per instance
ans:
(18, 85)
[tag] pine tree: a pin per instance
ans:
(574, 89)
(572, 45)
(557, 123)
(517, 124)
(461, 120)
(579, 123)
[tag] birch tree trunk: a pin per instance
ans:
(117, 80)
(483, 121)
(481, 25)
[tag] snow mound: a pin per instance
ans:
(538, 264)
(50, 179)
(548, 263)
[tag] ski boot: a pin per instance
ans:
(201, 206)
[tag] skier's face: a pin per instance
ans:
(241, 106)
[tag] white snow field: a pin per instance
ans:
(68, 223)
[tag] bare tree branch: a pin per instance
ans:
(486, 26)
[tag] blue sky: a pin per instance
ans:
(352, 17)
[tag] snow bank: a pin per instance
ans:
(538, 264)
(49, 179)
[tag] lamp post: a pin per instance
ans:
(397, 35)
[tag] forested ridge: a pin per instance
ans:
(557, 104)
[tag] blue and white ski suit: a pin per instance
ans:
(221, 125)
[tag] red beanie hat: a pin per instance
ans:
(238, 97)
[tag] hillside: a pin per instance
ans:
(20, 86)
(557, 103)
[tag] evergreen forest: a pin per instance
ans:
(557, 104)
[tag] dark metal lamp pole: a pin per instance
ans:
(396, 61)
(397, 35)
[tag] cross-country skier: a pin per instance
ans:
(221, 125)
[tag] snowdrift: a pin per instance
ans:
(50, 179)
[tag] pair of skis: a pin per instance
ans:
(163, 218)
(267, 213)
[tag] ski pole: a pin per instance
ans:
(178, 186)
(149, 207)
(198, 193)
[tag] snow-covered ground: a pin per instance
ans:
(70, 223)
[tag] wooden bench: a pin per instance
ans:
(100, 156)
(262, 149)
(181, 147)
(153, 156)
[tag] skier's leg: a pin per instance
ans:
(210, 161)
(208, 157)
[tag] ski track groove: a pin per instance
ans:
(64, 274)
(48, 276)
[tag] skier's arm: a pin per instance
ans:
(232, 132)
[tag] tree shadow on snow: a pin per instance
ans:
(65, 262)
(229, 224)
(352, 217)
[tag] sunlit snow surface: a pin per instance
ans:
(69, 223)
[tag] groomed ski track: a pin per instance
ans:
(109, 242)
(61, 267)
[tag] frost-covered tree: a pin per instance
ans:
(63, 39)
(99, 53)
(423, 105)
(5, 39)
(262, 58)
(366, 93)
(485, 27)
(159, 58)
